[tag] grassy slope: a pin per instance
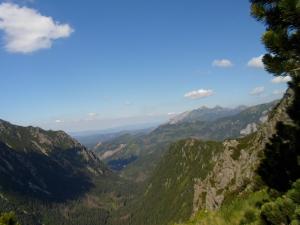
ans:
(234, 212)
(257, 208)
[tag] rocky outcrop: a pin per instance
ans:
(111, 153)
(251, 128)
(234, 167)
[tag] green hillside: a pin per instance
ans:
(148, 149)
(201, 175)
(173, 179)
(258, 208)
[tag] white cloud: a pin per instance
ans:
(278, 80)
(222, 63)
(201, 93)
(92, 114)
(278, 92)
(256, 62)
(257, 91)
(172, 113)
(26, 30)
(58, 121)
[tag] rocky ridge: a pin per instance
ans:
(235, 166)
(201, 175)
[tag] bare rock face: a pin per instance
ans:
(234, 168)
(251, 128)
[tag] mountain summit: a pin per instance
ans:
(205, 113)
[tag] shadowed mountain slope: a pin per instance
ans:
(44, 164)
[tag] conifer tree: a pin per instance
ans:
(282, 36)
(281, 165)
(8, 219)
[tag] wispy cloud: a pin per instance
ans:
(201, 93)
(127, 103)
(256, 62)
(225, 63)
(58, 121)
(278, 92)
(92, 114)
(26, 30)
(278, 80)
(257, 91)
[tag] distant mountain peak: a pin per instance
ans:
(203, 107)
(218, 107)
(204, 113)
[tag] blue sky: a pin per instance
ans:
(101, 64)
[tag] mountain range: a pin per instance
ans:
(136, 155)
(197, 163)
(206, 114)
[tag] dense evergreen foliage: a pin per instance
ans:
(98, 207)
(284, 209)
(8, 219)
(281, 166)
(282, 36)
(258, 208)
(173, 183)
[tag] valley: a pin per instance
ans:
(204, 124)
(130, 177)
(152, 113)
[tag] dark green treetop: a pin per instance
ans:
(282, 36)
(8, 219)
